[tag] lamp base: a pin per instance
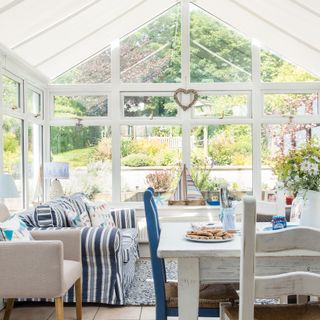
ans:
(56, 190)
(4, 213)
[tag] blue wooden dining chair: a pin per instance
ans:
(167, 293)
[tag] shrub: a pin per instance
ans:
(138, 160)
(168, 158)
(127, 146)
(204, 182)
(104, 149)
(160, 180)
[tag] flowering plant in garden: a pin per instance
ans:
(299, 169)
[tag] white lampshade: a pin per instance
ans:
(8, 188)
(56, 170)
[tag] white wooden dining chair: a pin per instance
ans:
(252, 286)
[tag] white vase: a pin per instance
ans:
(310, 216)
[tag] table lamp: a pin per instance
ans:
(8, 189)
(55, 171)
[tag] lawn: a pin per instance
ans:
(76, 157)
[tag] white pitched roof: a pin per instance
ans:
(54, 35)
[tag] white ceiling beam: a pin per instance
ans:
(312, 5)
(7, 6)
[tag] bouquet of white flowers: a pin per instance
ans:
(299, 169)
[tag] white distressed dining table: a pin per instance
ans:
(200, 262)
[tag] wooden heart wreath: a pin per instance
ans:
(193, 97)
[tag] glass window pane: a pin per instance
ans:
(276, 69)
(222, 154)
(87, 149)
(153, 53)
(276, 138)
(12, 158)
(35, 183)
(291, 104)
(80, 106)
(147, 106)
(218, 52)
(33, 102)
(220, 106)
(96, 69)
(150, 156)
(11, 93)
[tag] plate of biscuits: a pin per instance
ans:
(211, 235)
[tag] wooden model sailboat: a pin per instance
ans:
(186, 192)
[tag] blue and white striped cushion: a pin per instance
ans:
(44, 216)
(124, 218)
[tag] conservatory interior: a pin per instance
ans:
(189, 120)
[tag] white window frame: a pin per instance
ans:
(116, 90)
(21, 107)
(26, 119)
(32, 116)
(148, 94)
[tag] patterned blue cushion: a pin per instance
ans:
(79, 201)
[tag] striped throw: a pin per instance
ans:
(124, 217)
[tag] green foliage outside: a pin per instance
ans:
(12, 145)
(143, 153)
(138, 160)
(218, 53)
(227, 145)
(204, 181)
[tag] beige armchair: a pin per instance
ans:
(46, 268)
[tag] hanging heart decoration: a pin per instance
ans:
(193, 95)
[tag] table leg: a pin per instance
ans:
(188, 288)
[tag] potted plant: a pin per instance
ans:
(299, 172)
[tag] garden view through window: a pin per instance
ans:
(88, 151)
(153, 136)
